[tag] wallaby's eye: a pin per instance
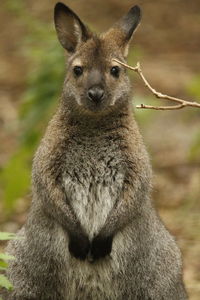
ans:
(114, 71)
(78, 71)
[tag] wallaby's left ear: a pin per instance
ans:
(130, 21)
(122, 31)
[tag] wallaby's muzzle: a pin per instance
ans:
(95, 94)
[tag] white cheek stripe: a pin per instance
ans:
(76, 62)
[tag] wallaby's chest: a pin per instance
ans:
(93, 177)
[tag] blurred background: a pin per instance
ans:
(167, 44)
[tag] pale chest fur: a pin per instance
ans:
(93, 178)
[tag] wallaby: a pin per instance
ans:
(92, 232)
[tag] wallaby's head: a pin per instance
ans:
(94, 82)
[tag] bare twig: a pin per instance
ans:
(182, 103)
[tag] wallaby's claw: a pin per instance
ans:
(101, 246)
(79, 246)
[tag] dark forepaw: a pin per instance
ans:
(101, 246)
(79, 246)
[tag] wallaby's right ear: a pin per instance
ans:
(70, 29)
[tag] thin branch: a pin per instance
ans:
(171, 107)
(182, 103)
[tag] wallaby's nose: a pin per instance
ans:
(95, 94)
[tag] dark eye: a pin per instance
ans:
(78, 71)
(114, 71)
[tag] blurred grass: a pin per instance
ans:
(194, 90)
(44, 82)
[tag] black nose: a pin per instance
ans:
(96, 94)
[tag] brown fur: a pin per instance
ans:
(92, 232)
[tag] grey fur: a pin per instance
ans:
(91, 179)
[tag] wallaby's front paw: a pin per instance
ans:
(101, 246)
(79, 246)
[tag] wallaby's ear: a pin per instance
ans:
(70, 30)
(122, 31)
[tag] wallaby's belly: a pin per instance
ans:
(93, 181)
(105, 279)
(92, 196)
(92, 281)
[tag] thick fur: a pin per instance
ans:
(92, 232)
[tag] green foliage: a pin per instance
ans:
(194, 89)
(15, 178)
(5, 236)
(194, 154)
(45, 76)
(4, 282)
(4, 256)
